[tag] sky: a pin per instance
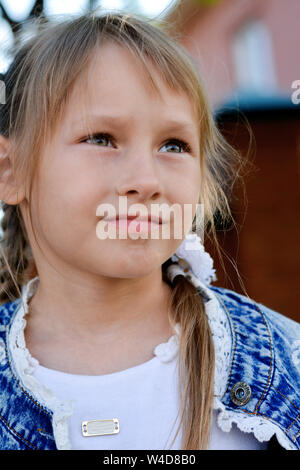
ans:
(19, 9)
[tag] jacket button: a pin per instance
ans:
(240, 393)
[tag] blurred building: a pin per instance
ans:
(241, 44)
(247, 55)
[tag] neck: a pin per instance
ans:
(80, 323)
(102, 307)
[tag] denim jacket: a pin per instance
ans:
(257, 365)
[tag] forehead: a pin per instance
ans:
(116, 79)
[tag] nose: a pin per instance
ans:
(141, 178)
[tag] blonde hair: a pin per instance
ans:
(38, 84)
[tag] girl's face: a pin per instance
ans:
(129, 150)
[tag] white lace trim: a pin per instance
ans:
(25, 366)
(262, 429)
(166, 352)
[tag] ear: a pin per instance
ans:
(10, 191)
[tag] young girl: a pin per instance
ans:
(121, 342)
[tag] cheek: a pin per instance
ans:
(66, 203)
(76, 184)
(195, 182)
(185, 184)
(186, 192)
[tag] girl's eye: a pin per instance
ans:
(103, 137)
(179, 144)
(98, 138)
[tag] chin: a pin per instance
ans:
(134, 263)
(134, 259)
(129, 272)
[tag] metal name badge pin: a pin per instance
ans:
(100, 427)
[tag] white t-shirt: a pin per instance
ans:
(144, 399)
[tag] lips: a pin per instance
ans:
(128, 218)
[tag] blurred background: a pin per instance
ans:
(247, 53)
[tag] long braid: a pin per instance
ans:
(196, 364)
(17, 265)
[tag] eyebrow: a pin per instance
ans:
(127, 122)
